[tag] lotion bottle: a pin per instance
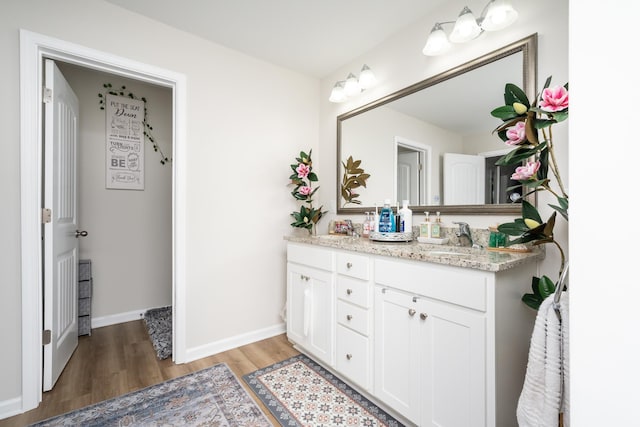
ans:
(435, 227)
(425, 227)
(406, 217)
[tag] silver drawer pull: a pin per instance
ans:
(423, 316)
(349, 317)
(349, 265)
(349, 291)
(349, 356)
(412, 312)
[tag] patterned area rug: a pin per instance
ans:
(159, 322)
(299, 392)
(210, 397)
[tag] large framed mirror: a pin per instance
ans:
(432, 142)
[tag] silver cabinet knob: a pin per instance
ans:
(349, 291)
(349, 356)
(303, 277)
(423, 316)
(349, 265)
(349, 317)
(412, 312)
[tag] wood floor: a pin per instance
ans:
(119, 359)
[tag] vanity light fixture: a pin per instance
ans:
(496, 15)
(352, 86)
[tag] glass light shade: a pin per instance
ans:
(367, 78)
(500, 14)
(466, 27)
(351, 86)
(337, 93)
(437, 42)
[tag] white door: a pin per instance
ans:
(463, 179)
(60, 244)
(409, 177)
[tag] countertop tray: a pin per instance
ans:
(391, 237)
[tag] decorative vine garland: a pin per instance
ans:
(109, 90)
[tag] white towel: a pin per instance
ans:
(542, 400)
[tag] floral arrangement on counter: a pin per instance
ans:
(302, 177)
(528, 128)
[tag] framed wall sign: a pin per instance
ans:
(124, 143)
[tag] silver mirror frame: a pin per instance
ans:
(528, 47)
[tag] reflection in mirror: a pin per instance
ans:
(432, 143)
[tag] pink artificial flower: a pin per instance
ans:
(304, 190)
(526, 172)
(516, 134)
(303, 170)
(554, 99)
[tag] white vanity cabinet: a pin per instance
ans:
(438, 345)
(310, 300)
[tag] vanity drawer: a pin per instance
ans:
(310, 256)
(353, 265)
(353, 358)
(353, 317)
(354, 290)
(456, 285)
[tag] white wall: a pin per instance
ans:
(129, 239)
(605, 348)
(398, 63)
(246, 121)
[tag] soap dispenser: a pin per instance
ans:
(435, 227)
(425, 227)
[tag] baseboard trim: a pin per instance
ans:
(114, 319)
(10, 407)
(233, 342)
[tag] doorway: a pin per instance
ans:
(412, 170)
(34, 48)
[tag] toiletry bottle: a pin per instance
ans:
(376, 220)
(387, 222)
(366, 225)
(398, 219)
(406, 217)
(425, 227)
(435, 227)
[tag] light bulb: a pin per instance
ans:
(466, 27)
(500, 14)
(351, 86)
(337, 93)
(367, 78)
(437, 42)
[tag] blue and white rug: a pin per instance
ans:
(210, 397)
(301, 393)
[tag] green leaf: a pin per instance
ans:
(530, 212)
(513, 93)
(504, 113)
(513, 228)
(312, 177)
(532, 301)
(546, 287)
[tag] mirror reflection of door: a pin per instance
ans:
(463, 179)
(411, 172)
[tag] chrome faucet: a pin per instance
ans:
(465, 231)
(351, 229)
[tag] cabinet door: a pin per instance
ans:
(453, 348)
(310, 312)
(397, 379)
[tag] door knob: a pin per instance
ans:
(81, 233)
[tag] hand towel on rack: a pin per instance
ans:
(542, 398)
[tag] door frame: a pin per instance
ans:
(425, 154)
(34, 48)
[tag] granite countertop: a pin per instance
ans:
(480, 259)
